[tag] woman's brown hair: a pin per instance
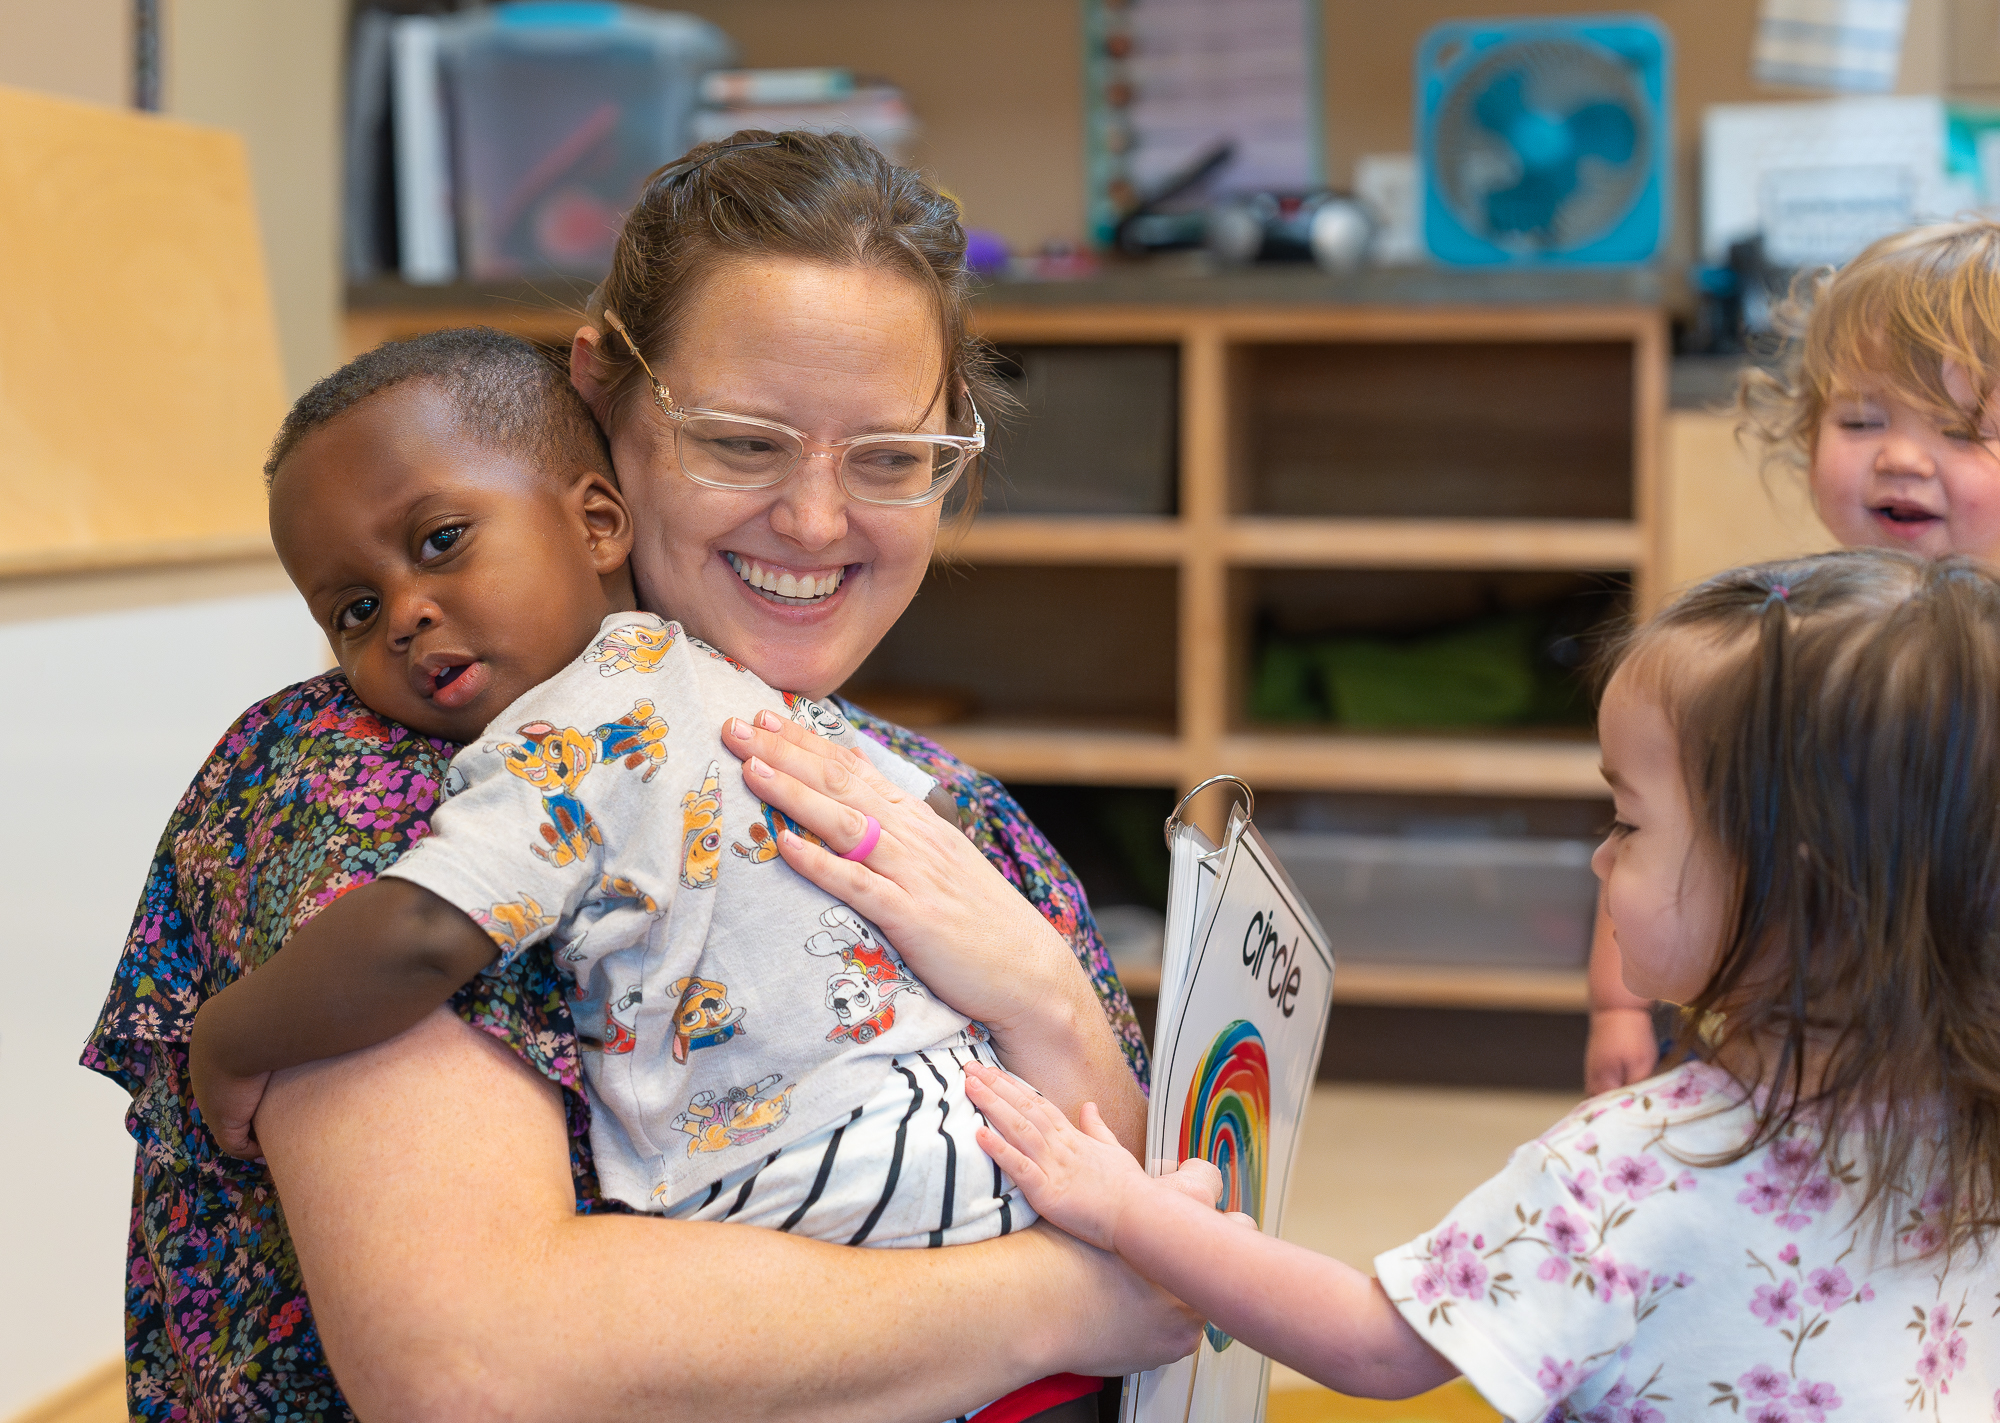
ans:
(827, 198)
(1839, 728)
(1893, 317)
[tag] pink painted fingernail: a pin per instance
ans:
(756, 767)
(769, 720)
(736, 729)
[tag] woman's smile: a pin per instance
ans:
(784, 586)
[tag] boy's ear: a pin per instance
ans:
(607, 523)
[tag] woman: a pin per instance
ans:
(438, 1189)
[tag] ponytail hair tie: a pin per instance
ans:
(1777, 593)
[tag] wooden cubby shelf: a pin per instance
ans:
(1329, 438)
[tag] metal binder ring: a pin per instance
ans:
(1249, 797)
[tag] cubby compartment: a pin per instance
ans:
(1079, 647)
(1436, 881)
(1110, 837)
(1096, 431)
(1421, 650)
(1459, 429)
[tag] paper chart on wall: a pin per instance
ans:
(1245, 983)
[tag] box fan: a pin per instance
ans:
(1545, 141)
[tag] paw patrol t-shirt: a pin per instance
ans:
(754, 1050)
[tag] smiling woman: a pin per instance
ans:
(795, 398)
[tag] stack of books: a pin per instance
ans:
(817, 100)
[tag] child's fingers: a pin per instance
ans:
(1242, 1218)
(1004, 1117)
(1092, 1122)
(1026, 1171)
(1198, 1179)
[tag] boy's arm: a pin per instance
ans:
(1325, 1319)
(369, 965)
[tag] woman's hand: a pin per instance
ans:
(974, 940)
(228, 1102)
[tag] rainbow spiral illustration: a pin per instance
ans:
(1227, 1121)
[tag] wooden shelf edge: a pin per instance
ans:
(1458, 986)
(1035, 538)
(1416, 765)
(1596, 545)
(115, 557)
(1084, 757)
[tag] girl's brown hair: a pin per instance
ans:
(1893, 317)
(827, 198)
(1839, 738)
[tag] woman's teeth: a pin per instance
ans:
(788, 586)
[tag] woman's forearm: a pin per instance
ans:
(1067, 1052)
(426, 1186)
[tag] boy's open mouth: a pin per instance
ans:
(445, 676)
(787, 588)
(457, 684)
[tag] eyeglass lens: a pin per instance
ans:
(746, 456)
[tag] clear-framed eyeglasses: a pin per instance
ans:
(722, 450)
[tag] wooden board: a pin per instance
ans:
(140, 382)
(1717, 509)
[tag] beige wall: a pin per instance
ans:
(272, 72)
(998, 87)
(81, 49)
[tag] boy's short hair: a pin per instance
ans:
(503, 392)
(1909, 303)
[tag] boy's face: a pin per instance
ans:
(448, 576)
(1889, 474)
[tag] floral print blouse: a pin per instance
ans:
(308, 795)
(1605, 1277)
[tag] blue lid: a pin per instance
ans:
(557, 14)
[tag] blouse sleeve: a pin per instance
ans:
(1537, 1281)
(995, 822)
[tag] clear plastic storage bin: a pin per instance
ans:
(1486, 902)
(558, 113)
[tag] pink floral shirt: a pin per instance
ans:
(1602, 1277)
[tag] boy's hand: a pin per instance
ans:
(227, 1102)
(1080, 1180)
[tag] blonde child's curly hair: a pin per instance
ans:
(1891, 319)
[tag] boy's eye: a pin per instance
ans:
(442, 542)
(356, 613)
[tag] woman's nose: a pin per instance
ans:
(812, 507)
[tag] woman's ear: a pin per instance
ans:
(583, 369)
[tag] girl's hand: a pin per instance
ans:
(228, 1103)
(1620, 1050)
(972, 938)
(1084, 1180)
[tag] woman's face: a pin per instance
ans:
(831, 351)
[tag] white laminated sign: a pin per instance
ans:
(1244, 987)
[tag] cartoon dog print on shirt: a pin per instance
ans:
(620, 1021)
(632, 649)
(701, 831)
(704, 1017)
(511, 923)
(718, 1121)
(717, 655)
(815, 716)
(554, 760)
(763, 846)
(862, 994)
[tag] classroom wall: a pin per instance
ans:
(272, 72)
(999, 87)
(130, 677)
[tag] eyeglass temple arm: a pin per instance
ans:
(612, 320)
